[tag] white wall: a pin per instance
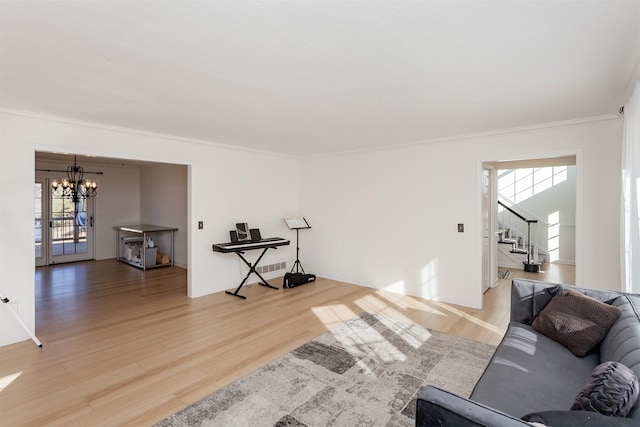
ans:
(388, 218)
(163, 201)
(262, 193)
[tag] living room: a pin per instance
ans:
(384, 201)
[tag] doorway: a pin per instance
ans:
(540, 189)
(63, 226)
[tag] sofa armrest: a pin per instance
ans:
(578, 419)
(437, 407)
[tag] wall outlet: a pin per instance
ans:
(460, 228)
(200, 225)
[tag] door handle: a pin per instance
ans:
(90, 221)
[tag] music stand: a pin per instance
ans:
(297, 223)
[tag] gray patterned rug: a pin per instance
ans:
(365, 372)
(504, 274)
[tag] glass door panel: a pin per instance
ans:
(39, 220)
(71, 229)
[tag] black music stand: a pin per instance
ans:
(297, 223)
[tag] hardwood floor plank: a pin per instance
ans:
(58, 410)
(124, 346)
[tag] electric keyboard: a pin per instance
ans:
(271, 242)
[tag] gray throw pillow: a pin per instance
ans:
(612, 389)
(576, 321)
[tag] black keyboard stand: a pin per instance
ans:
(240, 248)
(252, 269)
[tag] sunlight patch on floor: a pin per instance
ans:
(372, 304)
(413, 335)
(8, 379)
(368, 341)
(333, 315)
(470, 318)
(392, 310)
(409, 303)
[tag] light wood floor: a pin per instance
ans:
(126, 347)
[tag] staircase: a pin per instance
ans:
(513, 254)
(518, 240)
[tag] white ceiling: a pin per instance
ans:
(307, 77)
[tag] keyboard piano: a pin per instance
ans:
(239, 247)
(271, 242)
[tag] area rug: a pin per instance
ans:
(365, 372)
(504, 274)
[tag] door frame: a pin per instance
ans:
(578, 154)
(48, 257)
(489, 260)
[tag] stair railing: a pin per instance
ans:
(510, 223)
(543, 227)
(519, 244)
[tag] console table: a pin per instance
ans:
(139, 234)
(239, 248)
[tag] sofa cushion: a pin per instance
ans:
(577, 419)
(622, 342)
(576, 321)
(612, 389)
(531, 372)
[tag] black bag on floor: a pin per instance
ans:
(291, 280)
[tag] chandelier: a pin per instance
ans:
(74, 186)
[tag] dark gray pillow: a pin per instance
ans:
(612, 389)
(576, 321)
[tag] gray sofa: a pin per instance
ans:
(531, 373)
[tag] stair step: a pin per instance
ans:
(507, 258)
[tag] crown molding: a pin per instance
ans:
(635, 80)
(519, 129)
(498, 132)
(133, 131)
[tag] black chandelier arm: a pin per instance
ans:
(69, 193)
(87, 191)
(75, 186)
(61, 191)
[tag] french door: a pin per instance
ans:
(41, 239)
(64, 229)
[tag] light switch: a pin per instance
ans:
(200, 225)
